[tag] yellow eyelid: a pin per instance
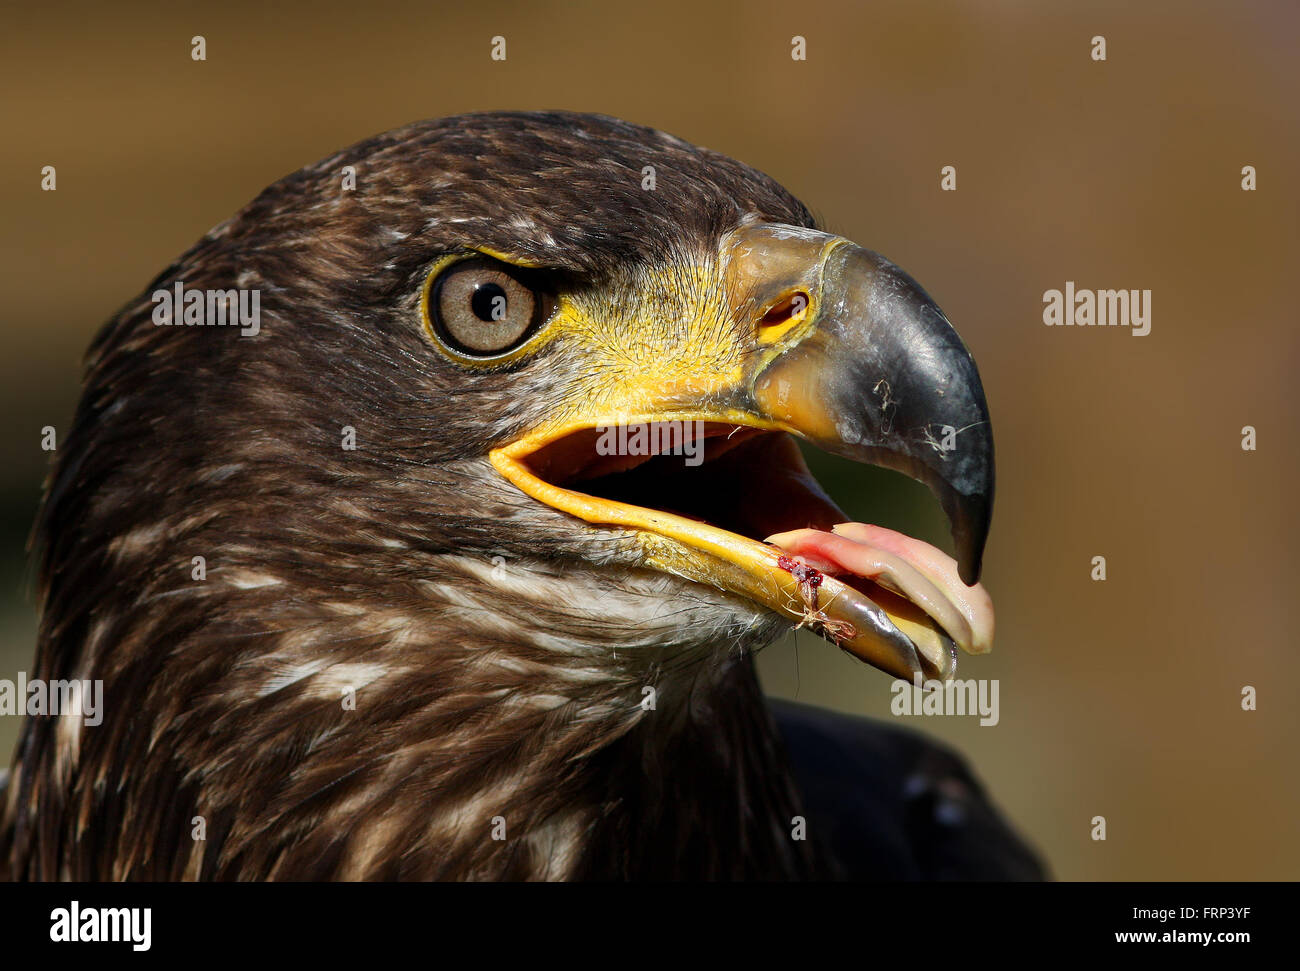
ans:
(522, 262)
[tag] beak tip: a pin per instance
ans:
(970, 517)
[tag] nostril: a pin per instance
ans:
(788, 310)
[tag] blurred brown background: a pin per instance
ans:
(1119, 698)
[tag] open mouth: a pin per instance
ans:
(732, 504)
(872, 372)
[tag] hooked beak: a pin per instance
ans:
(846, 351)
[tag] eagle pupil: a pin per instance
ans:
(485, 303)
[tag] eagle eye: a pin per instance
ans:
(481, 307)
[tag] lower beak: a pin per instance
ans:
(867, 367)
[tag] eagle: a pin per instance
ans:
(452, 564)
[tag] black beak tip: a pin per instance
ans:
(970, 518)
(969, 568)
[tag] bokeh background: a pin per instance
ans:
(1118, 698)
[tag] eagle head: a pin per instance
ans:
(452, 564)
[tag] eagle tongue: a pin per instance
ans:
(926, 576)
